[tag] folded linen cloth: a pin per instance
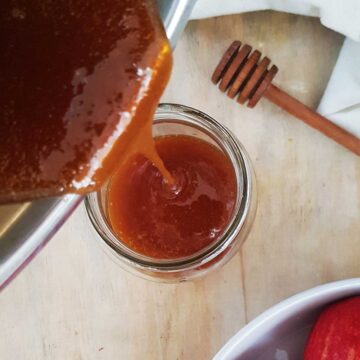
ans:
(341, 107)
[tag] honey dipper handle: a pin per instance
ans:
(312, 118)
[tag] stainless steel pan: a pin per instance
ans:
(26, 228)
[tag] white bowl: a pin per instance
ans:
(280, 333)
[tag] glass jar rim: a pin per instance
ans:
(230, 145)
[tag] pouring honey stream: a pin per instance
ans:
(83, 83)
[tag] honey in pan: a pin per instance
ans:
(168, 221)
(79, 82)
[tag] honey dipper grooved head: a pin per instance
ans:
(241, 72)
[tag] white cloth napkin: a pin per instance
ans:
(341, 100)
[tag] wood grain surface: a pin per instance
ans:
(72, 302)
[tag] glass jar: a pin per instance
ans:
(174, 119)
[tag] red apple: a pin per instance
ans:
(336, 334)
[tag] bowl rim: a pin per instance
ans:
(315, 296)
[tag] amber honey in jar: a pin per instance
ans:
(192, 220)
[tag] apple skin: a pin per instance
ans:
(336, 334)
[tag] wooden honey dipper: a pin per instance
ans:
(241, 73)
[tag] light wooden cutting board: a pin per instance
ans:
(73, 303)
